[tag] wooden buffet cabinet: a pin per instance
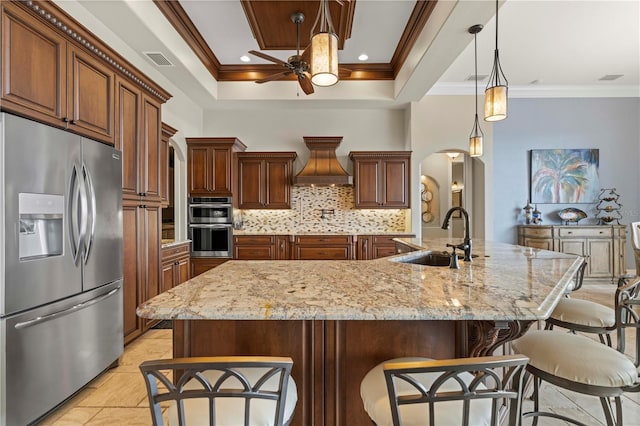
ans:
(57, 72)
(602, 245)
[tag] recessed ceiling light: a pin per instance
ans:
(363, 57)
(245, 58)
(610, 77)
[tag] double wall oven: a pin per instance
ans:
(210, 226)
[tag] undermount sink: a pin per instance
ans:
(433, 258)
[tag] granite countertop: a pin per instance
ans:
(243, 232)
(505, 282)
(167, 243)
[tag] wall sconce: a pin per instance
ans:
(453, 155)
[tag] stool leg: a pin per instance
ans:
(608, 411)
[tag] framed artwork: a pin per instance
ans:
(564, 176)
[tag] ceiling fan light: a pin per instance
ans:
(324, 59)
(495, 103)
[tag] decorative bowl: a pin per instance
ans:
(571, 214)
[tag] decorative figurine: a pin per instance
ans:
(537, 216)
(527, 213)
(608, 207)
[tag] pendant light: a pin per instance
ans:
(324, 48)
(495, 96)
(476, 137)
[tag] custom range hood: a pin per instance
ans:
(323, 167)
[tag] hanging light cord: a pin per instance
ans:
(475, 60)
(497, 75)
(324, 17)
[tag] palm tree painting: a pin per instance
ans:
(564, 176)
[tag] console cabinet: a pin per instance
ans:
(210, 165)
(381, 179)
(602, 245)
(264, 180)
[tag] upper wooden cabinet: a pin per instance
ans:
(138, 128)
(167, 133)
(91, 105)
(55, 71)
(264, 180)
(209, 165)
(381, 179)
(34, 67)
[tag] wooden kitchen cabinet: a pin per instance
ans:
(91, 104)
(200, 265)
(49, 78)
(323, 247)
(261, 247)
(210, 165)
(141, 280)
(167, 133)
(34, 67)
(176, 265)
(381, 179)
(264, 180)
(377, 246)
(602, 245)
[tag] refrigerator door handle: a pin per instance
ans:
(74, 308)
(90, 215)
(72, 209)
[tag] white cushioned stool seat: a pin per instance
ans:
(230, 411)
(373, 390)
(584, 312)
(576, 358)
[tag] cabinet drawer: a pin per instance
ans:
(323, 239)
(253, 252)
(323, 253)
(604, 232)
(536, 232)
(253, 239)
(175, 251)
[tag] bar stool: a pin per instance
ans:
(583, 315)
(582, 365)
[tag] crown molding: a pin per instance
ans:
(545, 91)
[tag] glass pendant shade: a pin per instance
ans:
(324, 59)
(495, 103)
(475, 146)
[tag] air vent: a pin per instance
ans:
(472, 77)
(159, 59)
(610, 77)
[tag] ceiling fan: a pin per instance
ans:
(296, 64)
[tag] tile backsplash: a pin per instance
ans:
(340, 216)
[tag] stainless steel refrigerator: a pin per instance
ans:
(60, 265)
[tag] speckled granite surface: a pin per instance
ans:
(505, 282)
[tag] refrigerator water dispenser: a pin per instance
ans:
(40, 232)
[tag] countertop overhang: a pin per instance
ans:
(505, 282)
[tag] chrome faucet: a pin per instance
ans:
(466, 245)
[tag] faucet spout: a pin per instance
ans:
(466, 246)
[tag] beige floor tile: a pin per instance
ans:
(77, 416)
(121, 390)
(121, 416)
(159, 334)
(64, 408)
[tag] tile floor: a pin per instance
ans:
(118, 397)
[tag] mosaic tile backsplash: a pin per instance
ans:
(306, 215)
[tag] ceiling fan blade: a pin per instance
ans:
(275, 76)
(305, 83)
(344, 72)
(269, 58)
(305, 56)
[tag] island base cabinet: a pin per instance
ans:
(330, 358)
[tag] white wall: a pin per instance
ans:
(610, 124)
(282, 129)
(440, 123)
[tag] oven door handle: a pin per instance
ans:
(209, 205)
(218, 225)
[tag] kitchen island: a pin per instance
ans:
(338, 319)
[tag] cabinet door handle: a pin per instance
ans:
(65, 119)
(569, 232)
